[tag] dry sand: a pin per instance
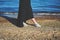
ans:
(50, 30)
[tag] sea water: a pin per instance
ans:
(37, 5)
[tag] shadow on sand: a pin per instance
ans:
(14, 21)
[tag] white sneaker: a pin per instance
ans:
(25, 24)
(37, 25)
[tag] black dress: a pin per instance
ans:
(25, 11)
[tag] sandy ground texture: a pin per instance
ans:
(50, 30)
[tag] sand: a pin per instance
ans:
(50, 30)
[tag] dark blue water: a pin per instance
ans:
(37, 5)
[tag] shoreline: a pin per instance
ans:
(41, 15)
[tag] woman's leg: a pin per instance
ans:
(35, 22)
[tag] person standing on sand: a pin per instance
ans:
(25, 13)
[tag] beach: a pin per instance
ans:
(50, 29)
